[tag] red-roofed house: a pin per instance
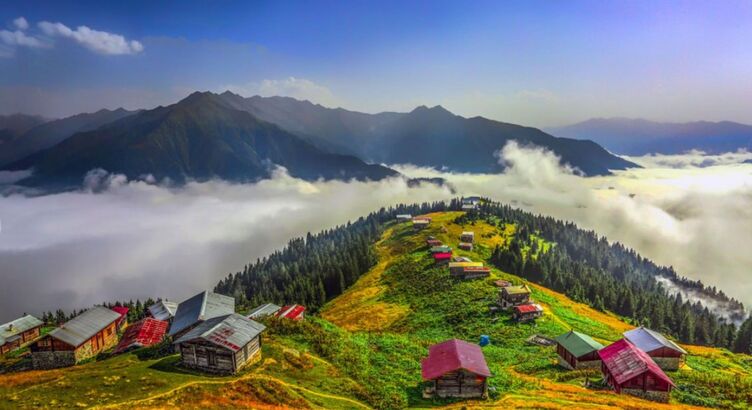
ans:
(294, 312)
(630, 370)
(456, 369)
(145, 332)
(524, 313)
(123, 312)
(442, 257)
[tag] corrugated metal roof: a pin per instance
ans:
(516, 290)
(625, 361)
(453, 355)
(266, 309)
(145, 332)
(440, 249)
(579, 344)
(648, 340)
(231, 331)
(204, 306)
(442, 256)
(18, 326)
(293, 312)
(163, 310)
(82, 327)
(528, 308)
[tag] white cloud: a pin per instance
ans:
(19, 39)
(100, 42)
(299, 88)
(21, 23)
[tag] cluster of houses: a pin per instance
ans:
(634, 365)
(205, 329)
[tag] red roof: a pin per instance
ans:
(442, 256)
(529, 308)
(294, 312)
(121, 310)
(453, 355)
(145, 332)
(625, 361)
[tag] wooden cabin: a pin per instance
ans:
(421, 223)
(526, 313)
(502, 283)
(221, 345)
(292, 312)
(163, 310)
(467, 237)
(466, 246)
(404, 217)
(19, 332)
(204, 306)
(457, 268)
(511, 296)
(144, 333)
(81, 338)
(123, 321)
(455, 368)
(433, 243)
(668, 355)
(578, 351)
(628, 369)
(267, 309)
(442, 258)
(474, 272)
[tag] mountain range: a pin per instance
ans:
(639, 137)
(208, 135)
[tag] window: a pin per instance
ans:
(211, 358)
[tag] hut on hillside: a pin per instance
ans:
(432, 242)
(502, 283)
(222, 344)
(470, 203)
(665, 352)
(292, 312)
(462, 259)
(455, 368)
(627, 369)
(526, 313)
(467, 236)
(163, 310)
(457, 268)
(19, 332)
(421, 223)
(511, 296)
(440, 249)
(473, 272)
(144, 333)
(123, 321)
(578, 351)
(267, 309)
(81, 338)
(404, 217)
(442, 258)
(466, 246)
(201, 307)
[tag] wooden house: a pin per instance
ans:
(421, 223)
(433, 242)
(578, 351)
(466, 246)
(191, 312)
(81, 338)
(627, 369)
(467, 237)
(470, 203)
(474, 272)
(455, 368)
(665, 352)
(144, 333)
(222, 345)
(18, 333)
(526, 313)
(163, 310)
(457, 268)
(404, 217)
(442, 258)
(123, 321)
(267, 309)
(440, 249)
(292, 312)
(511, 296)
(502, 283)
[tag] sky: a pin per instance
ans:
(539, 63)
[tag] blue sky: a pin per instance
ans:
(530, 62)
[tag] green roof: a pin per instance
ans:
(578, 344)
(440, 249)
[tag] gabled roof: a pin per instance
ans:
(18, 326)
(121, 310)
(579, 344)
(84, 326)
(205, 305)
(467, 233)
(145, 332)
(648, 340)
(291, 311)
(442, 255)
(440, 249)
(528, 308)
(516, 290)
(266, 309)
(231, 331)
(163, 310)
(453, 355)
(625, 361)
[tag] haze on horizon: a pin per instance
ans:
(534, 63)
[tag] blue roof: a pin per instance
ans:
(648, 340)
(205, 305)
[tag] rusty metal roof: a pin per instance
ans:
(230, 331)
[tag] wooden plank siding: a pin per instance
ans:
(460, 383)
(212, 358)
(23, 339)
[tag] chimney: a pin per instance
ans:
(10, 327)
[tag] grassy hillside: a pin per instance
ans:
(364, 349)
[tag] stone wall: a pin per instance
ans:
(667, 363)
(52, 360)
(660, 396)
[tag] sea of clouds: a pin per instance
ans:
(117, 239)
